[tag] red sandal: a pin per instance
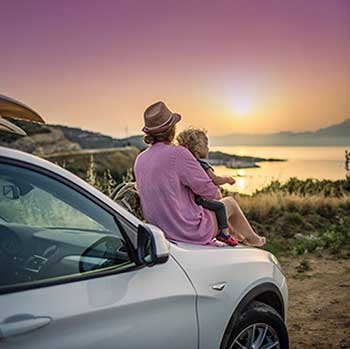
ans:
(228, 239)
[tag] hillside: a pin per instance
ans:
(46, 139)
(118, 161)
(76, 150)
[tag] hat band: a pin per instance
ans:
(161, 125)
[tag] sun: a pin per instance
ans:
(242, 107)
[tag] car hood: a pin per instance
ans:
(207, 265)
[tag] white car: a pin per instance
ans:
(79, 271)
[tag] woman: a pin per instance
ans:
(168, 177)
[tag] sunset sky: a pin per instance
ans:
(253, 66)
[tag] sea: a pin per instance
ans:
(301, 162)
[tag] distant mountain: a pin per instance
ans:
(334, 135)
(96, 140)
(338, 130)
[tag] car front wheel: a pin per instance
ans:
(258, 327)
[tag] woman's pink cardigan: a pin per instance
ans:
(167, 178)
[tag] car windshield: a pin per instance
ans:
(38, 208)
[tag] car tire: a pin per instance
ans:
(257, 326)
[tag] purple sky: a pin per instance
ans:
(229, 66)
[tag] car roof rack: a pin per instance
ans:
(13, 109)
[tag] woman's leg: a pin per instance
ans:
(237, 236)
(240, 224)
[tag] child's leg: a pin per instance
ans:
(220, 213)
(221, 217)
(220, 236)
(219, 208)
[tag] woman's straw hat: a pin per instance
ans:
(158, 118)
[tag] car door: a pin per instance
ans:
(69, 277)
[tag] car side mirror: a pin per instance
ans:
(152, 246)
(10, 192)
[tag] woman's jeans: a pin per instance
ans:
(218, 207)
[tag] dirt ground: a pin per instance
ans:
(319, 301)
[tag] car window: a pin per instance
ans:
(49, 230)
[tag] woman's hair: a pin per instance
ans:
(189, 139)
(167, 136)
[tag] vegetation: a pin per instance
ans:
(302, 216)
(107, 164)
(300, 224)
(105, 183)
(326, 188)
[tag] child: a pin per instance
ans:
(196, 142)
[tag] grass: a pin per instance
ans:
(264, 204)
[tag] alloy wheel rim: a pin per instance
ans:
(256, 336)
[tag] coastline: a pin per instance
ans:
(218, 158)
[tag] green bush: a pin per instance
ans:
(309, 186)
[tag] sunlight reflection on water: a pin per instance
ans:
(303, 162)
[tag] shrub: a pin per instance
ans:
(294, 218)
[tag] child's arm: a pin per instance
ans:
(217, 180)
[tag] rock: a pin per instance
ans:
(299, 236)
(44, 143)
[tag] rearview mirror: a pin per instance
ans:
(152, 246)
(10, 192)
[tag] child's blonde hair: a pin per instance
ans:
(189, 139)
